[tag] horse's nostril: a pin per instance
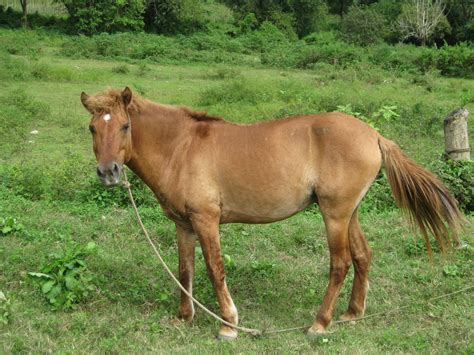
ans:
(99, 172)
(116, 168)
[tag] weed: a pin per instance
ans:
(264, 269)
(142, 69)
(451, 270)
(348, 109)
(121, 69)
(10, 225)
(386, 113)
(65, 279)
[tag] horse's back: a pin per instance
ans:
(271, 170)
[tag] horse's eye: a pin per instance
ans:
(125, 127)
(92, 129)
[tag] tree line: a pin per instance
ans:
(362, 22)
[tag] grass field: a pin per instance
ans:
(277, 273)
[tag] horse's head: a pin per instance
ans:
(111, 133)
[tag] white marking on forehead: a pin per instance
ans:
(106, 117)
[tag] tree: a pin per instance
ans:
(460, 15)
(309, 15)
(91, 17)
(363, 25)
(420, 18)
(174, 16)
(339, 7)
(24, 7)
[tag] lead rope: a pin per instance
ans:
(251, 331)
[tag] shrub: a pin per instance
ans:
(379, 197)
(89, 17)
(265, 38)
(336, 53)
(459, 178)
(174, 16)
(237, 90)
(121, 69)
(456, 60)
(363, 26)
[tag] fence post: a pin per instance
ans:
(456, 136)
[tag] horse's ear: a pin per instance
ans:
(126, 96)
(84, 98)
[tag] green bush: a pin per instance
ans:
(363, 26)
(336, 53)
(237, 90)
(89, 17)
(265, 38)
(456, 60)
(121, 69)
(459, 178)
(174, 16)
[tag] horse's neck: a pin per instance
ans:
(157, 133)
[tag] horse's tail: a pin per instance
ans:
(417, 191)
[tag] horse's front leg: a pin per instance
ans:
(186, 249)
(206, 227)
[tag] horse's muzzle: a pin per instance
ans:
(109, 173)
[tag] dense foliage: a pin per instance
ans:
(362, 22)
(89, 16)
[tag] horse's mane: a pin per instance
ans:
(201, 116)
(108, 99)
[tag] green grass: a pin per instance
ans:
(277, 273)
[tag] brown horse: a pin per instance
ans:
(205, 171)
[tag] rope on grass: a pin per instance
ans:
(252, 331)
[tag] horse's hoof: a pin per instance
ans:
(316, 334)
(227, 335)
(186, 319)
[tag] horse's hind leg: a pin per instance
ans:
(361, 256)
(336, 217)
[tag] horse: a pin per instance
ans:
(206, 171)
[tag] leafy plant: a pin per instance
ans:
(10, 225)
(459, 178)
(451, 270)
(263, 268)
(386, 113)
(348, 109)
(65, 280)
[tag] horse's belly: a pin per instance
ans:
(260, 207)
